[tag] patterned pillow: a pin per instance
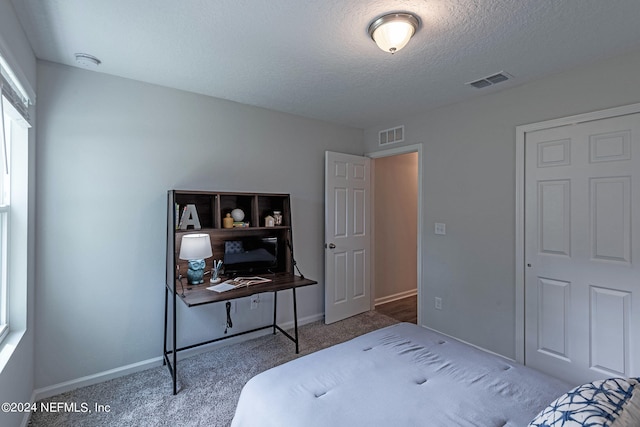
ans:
(606, 403)
(233, 247)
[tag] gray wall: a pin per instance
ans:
(108, 151)
(469, 184)
(16, 379)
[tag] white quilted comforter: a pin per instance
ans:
(402, 375)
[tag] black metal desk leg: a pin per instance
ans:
(275, 305)
(295, 318)
(175, 347)
(166, 309)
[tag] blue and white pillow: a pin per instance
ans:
(614, 402)
(233, 247)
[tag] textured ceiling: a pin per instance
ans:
(315, 59)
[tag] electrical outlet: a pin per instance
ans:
(438, 303)
(255, 300)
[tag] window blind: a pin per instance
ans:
(12, 90)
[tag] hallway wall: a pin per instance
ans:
(396, 225)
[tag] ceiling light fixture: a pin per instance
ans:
(392, 32)
(87, 61)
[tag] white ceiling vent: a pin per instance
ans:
(490, 80)
(391, 136)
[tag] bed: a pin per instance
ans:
(401, 375)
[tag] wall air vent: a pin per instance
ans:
(490, 80)
(391, 136)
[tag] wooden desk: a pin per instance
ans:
(198, 295)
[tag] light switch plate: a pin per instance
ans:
(440, 228)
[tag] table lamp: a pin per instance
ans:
(195, 248)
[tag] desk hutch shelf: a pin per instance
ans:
(212, 207)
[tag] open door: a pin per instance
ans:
(347, 236)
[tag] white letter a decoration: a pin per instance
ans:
(190, 217)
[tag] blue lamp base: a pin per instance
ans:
(195, 273)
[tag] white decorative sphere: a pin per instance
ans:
(237, 215)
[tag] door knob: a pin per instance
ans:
(332, 246)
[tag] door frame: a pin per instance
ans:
(414, 148)
(521, 132)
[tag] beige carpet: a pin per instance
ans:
(209, 384)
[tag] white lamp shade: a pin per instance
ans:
(392, 32)
(195, 246)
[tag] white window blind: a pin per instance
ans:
(13, 91)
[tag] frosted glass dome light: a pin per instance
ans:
(392, 32)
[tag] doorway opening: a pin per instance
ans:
(396, 233)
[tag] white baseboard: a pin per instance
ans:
(395, 297)
(43, 393)
(53, 390)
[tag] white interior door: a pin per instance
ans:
(582, 249)
(347, 236)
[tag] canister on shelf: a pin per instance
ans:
(227, 222)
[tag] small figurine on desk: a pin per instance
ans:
(215, 271)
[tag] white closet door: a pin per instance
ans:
(582, 249)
